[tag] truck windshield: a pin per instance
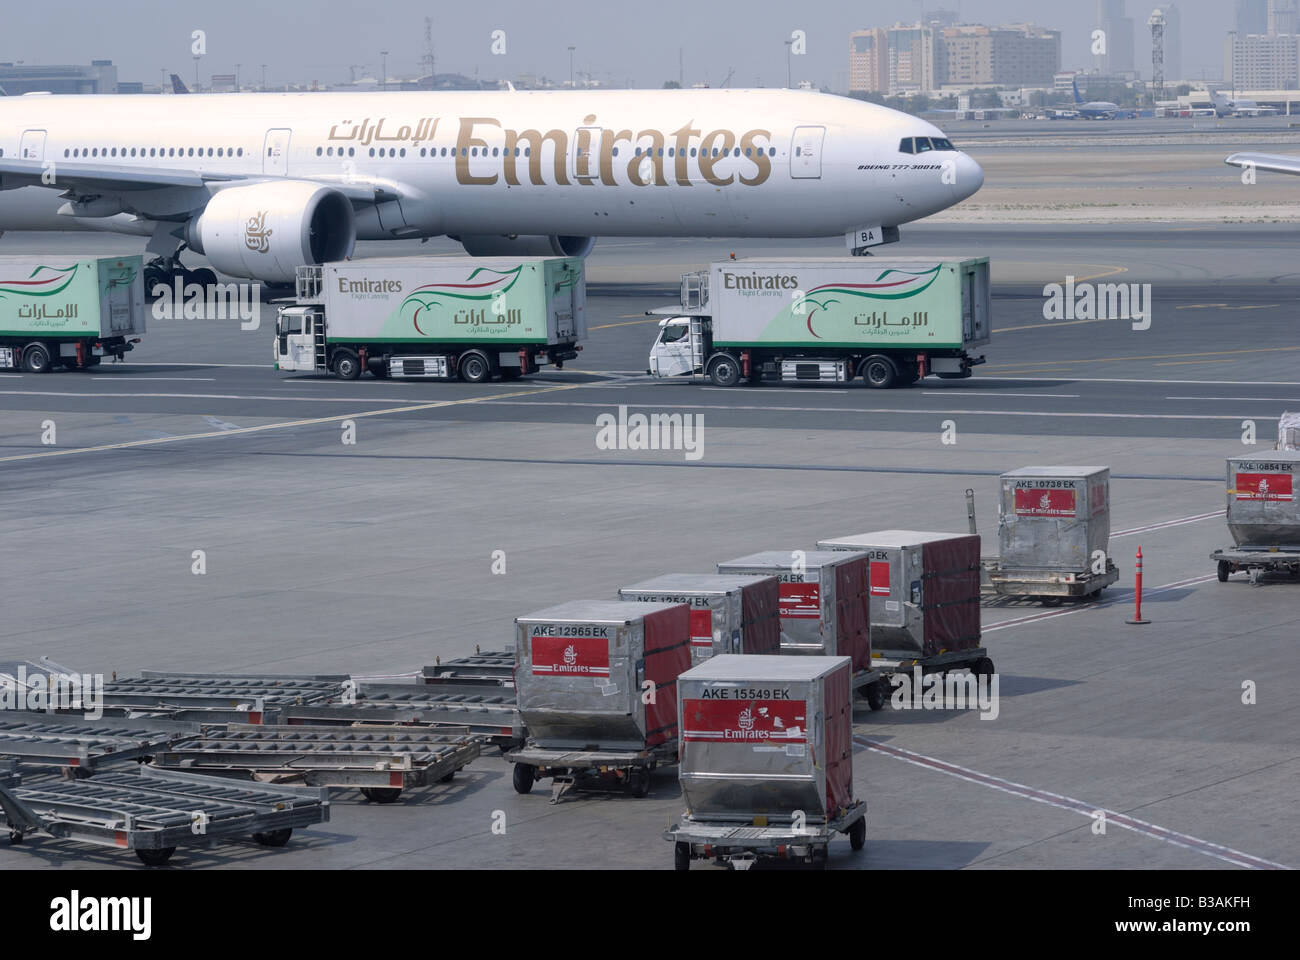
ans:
(290, 323)
(673, 333)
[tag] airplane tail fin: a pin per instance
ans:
(1077, 99)
(178, 85)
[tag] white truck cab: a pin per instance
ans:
(671, 355)
(298, 331)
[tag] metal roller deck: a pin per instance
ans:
(490, 712)
(80, 746)
(495, 667)
(215, 698)
(380, 761)
(154, 811)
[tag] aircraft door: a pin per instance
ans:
(806, 153)
(584, 159)
(275, 153)
(32, 146)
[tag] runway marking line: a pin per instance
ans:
(1158, 356)
(1062, 802)
(262, 428)
(1100, 605)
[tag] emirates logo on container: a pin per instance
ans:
(754, 721)
(570, 656)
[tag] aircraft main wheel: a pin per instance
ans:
(203, 277)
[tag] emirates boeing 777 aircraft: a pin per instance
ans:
(262, 183)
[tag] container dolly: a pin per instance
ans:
(1257, 562)
(742, 844)
(566, 767)
(890, 662)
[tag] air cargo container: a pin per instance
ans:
(1263, 516)
(69, 311)
(596, 687)
(889, 322)
(1053, 534)
(729, 613)
(766, 759)
(823, 600)
(925, 590)
(442, 318)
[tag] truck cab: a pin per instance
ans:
(299, 338)
(672, 354)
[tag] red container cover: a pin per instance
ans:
(667, 655)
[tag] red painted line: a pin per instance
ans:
(1155, 832)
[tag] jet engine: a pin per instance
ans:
(265, 231)
(486, 245)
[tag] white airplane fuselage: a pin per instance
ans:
(686, 163)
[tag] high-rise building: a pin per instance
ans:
(1013, 55)
(915, 59)
(1282, 17)
(869, 61)
(1252, 17)
(1262, 62)
(1173, 42)
(99, 77)
(1118, 27)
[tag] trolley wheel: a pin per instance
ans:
(1051, 601)
(724, 371)
(448, 778)
(524, 778)
(682, 855)
(876, 692)
(381, 794)
(36, 358)
(274, 838)
(858, 834)
(347, 365)
(819, 856)
(638, 781)
(474, 367)
(15, 837)
(983, 667)
(155, 858)
(1225, 568)
(76, 773)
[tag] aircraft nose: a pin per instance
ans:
(968, 177)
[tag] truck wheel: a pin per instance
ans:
(879, 372)
(1225, 568)
(876, 692)
(524, 776)
(274, 838)
(511, 373)
(724, 371)
(36, 358)
(682, 856)
(858, 834)
(347, 365)
(474, 367)
(155, 858)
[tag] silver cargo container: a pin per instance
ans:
(580, 667)
(730, 613)
(1053, 518)
(765, 737)
(824, 600)
(1262, 509)
(925, 589)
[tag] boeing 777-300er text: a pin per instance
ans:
(263, 183)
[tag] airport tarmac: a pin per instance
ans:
(375, 558)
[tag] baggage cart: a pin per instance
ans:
(78, 747)
(741, 845)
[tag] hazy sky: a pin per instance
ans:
(304, 40)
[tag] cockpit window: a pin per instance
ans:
(942, 143)
(923, 145)
(905, 145)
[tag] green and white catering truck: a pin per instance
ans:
(472, 318)
(888, 321)
(68, 311)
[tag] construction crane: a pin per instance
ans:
(1157, 24)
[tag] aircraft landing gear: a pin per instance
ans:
(165, 270)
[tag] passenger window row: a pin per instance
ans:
(83, 152)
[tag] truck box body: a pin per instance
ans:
(61, 297)
(925, 589)
(767, 736)
(729, 613)
(509, 300)
(1262, 509)
(580, 666)
(856, 302)
(1053, 518)
(823, 606)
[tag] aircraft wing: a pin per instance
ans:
(122, 178)
(1277, 163)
